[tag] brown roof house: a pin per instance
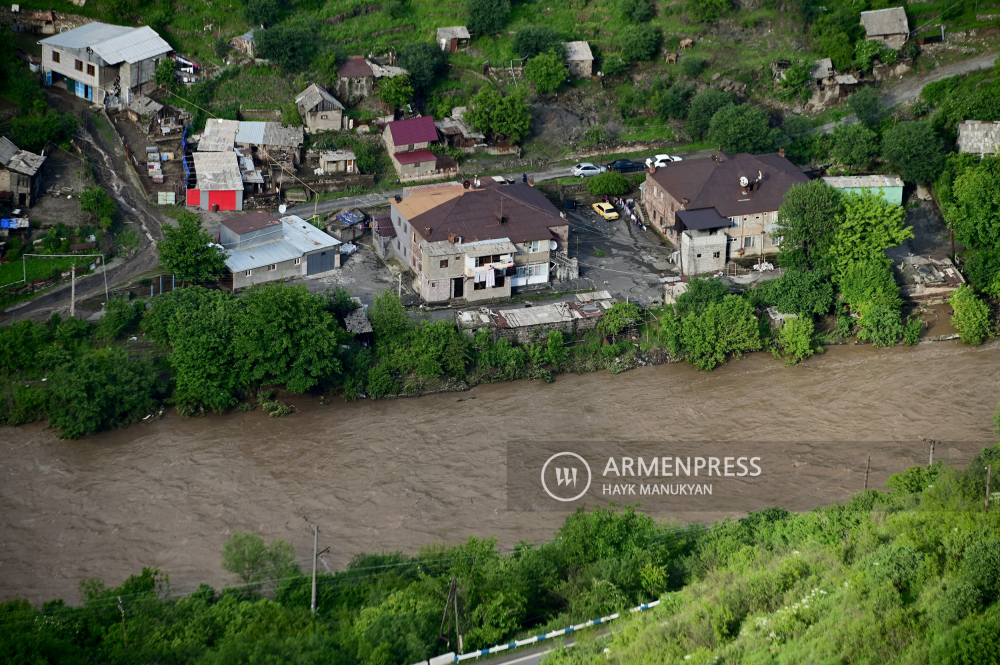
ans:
(19, 177)
(320, 110)
(355, 79)
(408, 142)
(979, 137)
(719, 207)
(888, 26)
(476, 242)
(579, 59)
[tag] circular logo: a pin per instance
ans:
(566, 476)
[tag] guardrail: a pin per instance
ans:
(452, 657)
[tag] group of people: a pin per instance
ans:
(628, 208)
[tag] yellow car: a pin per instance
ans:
(606, 210)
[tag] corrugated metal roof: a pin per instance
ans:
(261, 255)
(139, 44)
(87, 35)
(885, 22)
(313, 95)
(304, 236)
(415, 157)
(863, 181)
(455, 32)
(413, 130)
(219, 135)
(217, 171)
(251, 132)
(20, 161)
(277, 134)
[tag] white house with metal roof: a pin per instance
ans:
(103, 63)
(300, 250)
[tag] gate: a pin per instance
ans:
(320, 262)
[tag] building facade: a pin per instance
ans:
(261, 248)
(19, 174)
(979, 137)
(888, 26)
(320, 111)
(408, 143)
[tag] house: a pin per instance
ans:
(383, 235)
(335, 162)
(245, 44)
(347, 225)
(320, 110)
(144, 111)
(476, 242)
(888, 26)
(527, 325)
(822, 69)
(453, 39)
(103, 63)
(979, 137)
(930, 279)
(271, 142)
(408, 143)
(579, 59)
(457, 134)
(719, 207)
(889, 187)
(19, 177)
(260, 248)
(355, 79)
(42, 23)
(214, 180)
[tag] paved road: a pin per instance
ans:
(910, 88)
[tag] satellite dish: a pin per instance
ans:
(282, 208)
(743, 181)
(466, 184)
(553, 245)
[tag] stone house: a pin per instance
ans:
(105, 64)
(261, 248)
(320, 110)
(355, 79)
(729, 206)
(19, 174)
(579, 59)
(454, 39)
(335, 162)
(979, 137)
(888, 26)
(476, 243)
(245, 44)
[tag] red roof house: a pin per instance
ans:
(408, 143)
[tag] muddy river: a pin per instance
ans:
(395, 475)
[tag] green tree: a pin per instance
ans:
(101, 390)
(692, 66)
(866, 105)
(799, 291)
(619, 318)
(424, 61)
(797, 79)
(808, 220)
(854, 146)
(971, 316)
(396, 92)
(983, 271)
(486, 17)
(722, 329)
(246, 555)
(635, 11)
(639, 42)
(189, 252)
(700, 294)
(290, 46)
(609, 183)
(123, 10)
(914, 150)
(673, 103)
(164, 74)
(534, 40)
(33, 132)
(101, 206)
(837, 46)
(440, 350)
(881, 324)
(869, 281)
(974, 205)
(613, 64)
(703, 106)
(707, 10)
(261, 12)
(546, 71)
(795, 339)
(868, 226)
(508, 117)
(741, 128)
(220, 47)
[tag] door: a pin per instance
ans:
(320, 262)
(459, 287)
(225, 199)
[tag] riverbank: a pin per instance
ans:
(397, 474)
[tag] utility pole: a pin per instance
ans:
(930, 458)
(868, 468)
(72, 290)
(454, 597)
(989, 471)
(444, 616)
(399, 290)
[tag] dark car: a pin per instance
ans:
(625, 166)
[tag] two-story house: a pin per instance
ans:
(19, 174)
(106, 64)
(408, 143)
(720, 207)
(478, 242)
(320, 110)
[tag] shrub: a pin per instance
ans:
(971, 316)
(639, 42)
(536, 39)
(619, 318)
(703, 106)
(673, 104)
(546, 71)
(614, 65)
(866, 105)
(983, 270)
(635, 11)
(914, 150)
(741, 128)
(795, 339)
(292, 47)
(595, 134)
(708, 10)
(396, 92)
(424, 61)
(911, 331)
(868, 226)
(692, 66)
(723, 328)
(699, 295)
(975, 641)
(866, 281)
(486, 17)
(261, 12)
(854, 146)
(880, 323)
(805, 291)
(34, 131)
(609, 183)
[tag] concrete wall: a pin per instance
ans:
(415, 171)
(703, 251)
(354, 88)
(322, 121)
(67, 65)
(284, 270)
(18, 184)
(581, 69)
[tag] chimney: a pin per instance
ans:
(684, 201)
(652, 168)
(531, 182)
(427, 231)
(781, 152)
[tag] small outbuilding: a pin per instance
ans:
(320, 110)
(979, 137)
(355, 79)
(453, 39)
(888, 26)
(245, 44)
(337, 162)
(579, 59)
(889, 187)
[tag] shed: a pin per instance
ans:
(218, 181)
(979, 137)
(579, 59)
(888, 26)
(244, 44)
(889, 186)
(822, 69)
(141, 107)
(452, 39)
(338, 161)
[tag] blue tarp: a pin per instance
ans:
(350, 218)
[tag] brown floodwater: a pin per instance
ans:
(399, 474)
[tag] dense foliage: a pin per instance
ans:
(189, 252)
(500, 117)
(546, 71)
(971, 316)
(808, 221)
(741, 128)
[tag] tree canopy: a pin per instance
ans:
(866, 105)
(868, 226)
(424, 61)
(189, 252)
(808, 220)
(639, 42)
(396, 92)
(533, 40)
(503, 117)
(261, 12)
(703, 106)
(486, 17)
(546, 71)
(914, 150)
(741, 128)
(291, 46)
(854, 146)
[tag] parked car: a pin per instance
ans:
(586, 169)
(606, 210)
(625, 166)
(661, 160)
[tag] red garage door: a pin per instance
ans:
(194, 197)
(226, 199)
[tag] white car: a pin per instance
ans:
(586, 169)
(661, 160)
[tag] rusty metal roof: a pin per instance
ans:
(254, 221)
(354, 67)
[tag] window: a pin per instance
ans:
(248, 273)
(323, 117)
(273, 266)
(443, 263)
(409, 147)
(697, 256)
(536, 245)
(90, 70)
(480, 261)
(757, 217)
(298, 261)
(734, 240)
(715, 255)
(735, 221)
(748, 241)
(79, 65)
(55, 56)
(775, 240)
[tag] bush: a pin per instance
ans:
(537, 39)
(914, 150)
(546, 71)
(741, 128)
(705, 338)
(639, 42)
(609, 183)
(692, 66)
(699, 295)
(613, 65)
(975, 641)
(854, 146)
(868, 227)
(971, 316)
(261, 12)
(635, 11)
(880, 323)
(983, 269)
(619, 318)
(798, 291)
(673, 104)
(866, 281)
(911, 331)
(486, 17)
(866, 105)
(703, 106)
(595, 134)
(708, 10)
(396, 92)
(291, 47)
(795, 339)
(101, 206)
(189, 252)
(424, 61)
